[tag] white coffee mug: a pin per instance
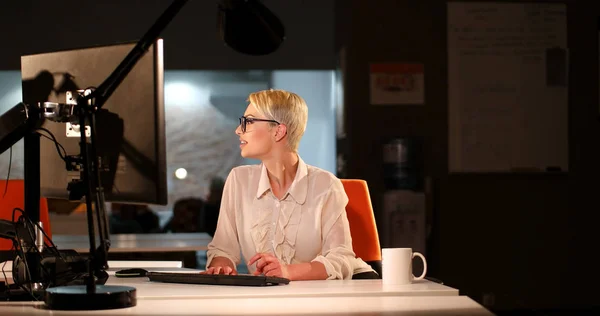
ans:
(396, 265)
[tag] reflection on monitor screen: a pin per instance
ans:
(130, 127)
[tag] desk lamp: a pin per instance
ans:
(244, 25)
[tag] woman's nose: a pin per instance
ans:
(238, 130)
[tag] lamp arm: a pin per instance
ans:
(106, 88)
(87, 106)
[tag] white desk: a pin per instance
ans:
(329, 288)
(124, 264)
(443, 305)
(344, 297)
(128, 243)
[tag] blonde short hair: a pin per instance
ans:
(286, 108)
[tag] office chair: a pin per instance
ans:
(15, 197)
(363, 229)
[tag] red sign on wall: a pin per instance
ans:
(397, 83)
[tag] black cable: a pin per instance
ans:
(8, 176)
(24, 258)
(33, 239)
(4, 272)
(76, 276)
(28, 291)
(47, 238)
(62, 154)
(18, 284)
(20, 246)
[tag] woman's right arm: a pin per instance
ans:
(223, 253)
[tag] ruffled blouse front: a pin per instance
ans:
(280, 238)
(308, 224)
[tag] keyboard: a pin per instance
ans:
(216, 279)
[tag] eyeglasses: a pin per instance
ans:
(245, 120)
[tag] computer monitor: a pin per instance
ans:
(130, 127)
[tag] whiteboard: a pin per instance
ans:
(507, 87)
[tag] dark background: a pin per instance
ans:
(526, 239)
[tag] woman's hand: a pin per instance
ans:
(220, 270)
(220, 265)
(267, 264)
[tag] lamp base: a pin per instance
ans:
(76, 297)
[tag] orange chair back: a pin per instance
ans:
(365, 239)
(15, 197)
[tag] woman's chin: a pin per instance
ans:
(244, 154)
(249, 155)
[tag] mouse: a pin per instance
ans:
(131, 273)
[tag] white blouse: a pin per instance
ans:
(308, 224)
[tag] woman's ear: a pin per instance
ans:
(280, 132)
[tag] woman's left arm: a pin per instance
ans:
(336, 253)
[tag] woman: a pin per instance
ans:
(286, 218)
